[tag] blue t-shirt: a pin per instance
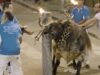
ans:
(10, 34)
(17, 23)
(80, 14)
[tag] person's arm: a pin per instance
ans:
(25, 30)
(89, 23)
(83, 21)
(73, 23)
(28, 32)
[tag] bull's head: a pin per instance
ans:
(53, 28)
(56, 29)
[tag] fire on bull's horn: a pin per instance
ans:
(43, 21)
(44, 16)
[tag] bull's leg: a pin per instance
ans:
(78, 67)
(74, 64)
(53, 61)
(56, 66)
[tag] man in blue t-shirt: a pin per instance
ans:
(8, 7)
(80, 13)
(10, 46)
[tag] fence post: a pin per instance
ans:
(47, 54)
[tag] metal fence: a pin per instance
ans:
(47, 54)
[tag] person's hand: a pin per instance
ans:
(81, 26)
(31, 32)
(25, 26)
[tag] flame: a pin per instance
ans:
(41, 10)
(74, 2)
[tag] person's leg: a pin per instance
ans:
(16, 66)
(8, 69)
(3, 63)
(86, 62)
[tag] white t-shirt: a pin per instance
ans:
(97, 16)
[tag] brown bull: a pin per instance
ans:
(70, 43)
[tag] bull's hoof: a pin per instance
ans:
(72, 65)
(99, 66)
(54, 73)
(77, 74)
(87, 66)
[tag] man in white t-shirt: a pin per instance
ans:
(95, 20)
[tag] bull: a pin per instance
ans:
(69, 42)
